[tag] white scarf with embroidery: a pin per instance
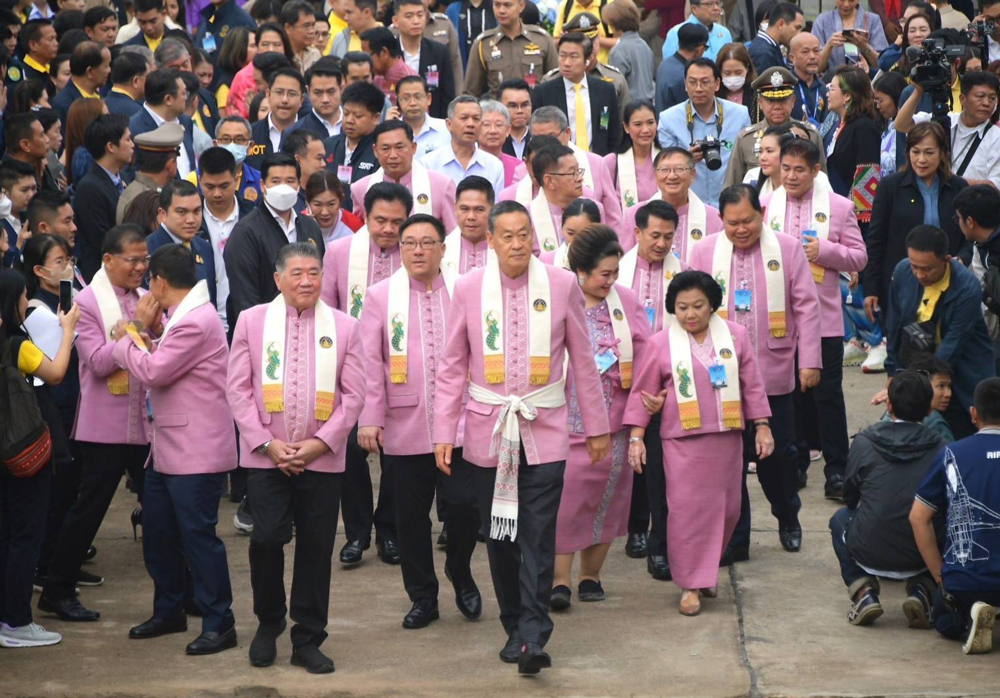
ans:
(420, 187)
(820, 208)
(623, 333)
(541, 220)
(111, 313)
(695, 223)
(274, 359)
(682, 371)
(196, 297)
(628, 188)
(539, 322)
(584, 163)
(452, 259)
(523, 191)
(398, 324)
(774, 278)
(630, 262)
(357, 271)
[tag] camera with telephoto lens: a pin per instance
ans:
(932, 61)
(711, 149)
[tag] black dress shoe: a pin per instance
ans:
(803, 479)
(636, 545)
(155, 627)
(352, 551)
(213, 642)
(561, 598)
(791, 539)
(387, 551)
(91, 554)
(533, 659)
(86, 579)
(69, 609)
(314, 661)
(469, 600)
(511, 651)
(263, 648)
(657, 566)
(834, 488)
(731, 555)
(420, 616)
(442, 540)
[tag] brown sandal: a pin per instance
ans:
(690, 602)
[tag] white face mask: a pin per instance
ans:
(763, 26)
(734, 82)
(281, 197)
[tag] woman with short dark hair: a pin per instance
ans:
(595, 500)
(708, 370)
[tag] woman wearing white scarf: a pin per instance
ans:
(595, 502)
(708, 370)
(577, 216)
(632, 166)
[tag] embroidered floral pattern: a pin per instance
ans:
(619, 455)
(432, 336)
(743, 277)
(296, 395)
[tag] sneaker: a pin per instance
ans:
(751, 468)
(875, 363)
(815, 456)
(866, 609)
(30, 635)
(242, 519)
(854, 353)
(917, 609)
(980, 640)
(86, 579)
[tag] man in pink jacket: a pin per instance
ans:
(404, 326)
(825, 224)
(767, 288)
(193, 447)
(296, 386)
(111, 416)
(509, 328)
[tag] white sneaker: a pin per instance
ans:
(30, 635)
(854, 353)
(875, 363)
(980, 640)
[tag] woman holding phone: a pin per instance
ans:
(846, 33)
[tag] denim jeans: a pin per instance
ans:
(951, 615)
(856, 323)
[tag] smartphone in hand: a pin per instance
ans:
(65, 295)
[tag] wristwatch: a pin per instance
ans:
(634, 439)
(262, 449)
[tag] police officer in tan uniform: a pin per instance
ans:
(165, 140)
(587, 24)
(776, 96)
(509, 50)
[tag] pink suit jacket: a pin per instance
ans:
(645, 176)
(777, 355)
(335, 264)
(655, 374)
(546, 439)
(442, 196)
(604, 190)
(100, 416)
(401, 409)
(713, 221)
(192, 425)
(247, 401)
(843, 250)
(659, 304)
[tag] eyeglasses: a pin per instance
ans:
(410, 245)
(578, 173)
(291, 94)
(228, 140)
(673, 170)
(68, 262)
(134, 261)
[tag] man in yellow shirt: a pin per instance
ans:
(568, 9)
(359, 17)
(151, 16)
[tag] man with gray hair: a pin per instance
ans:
(463, 156)
(294, 442)
(493, 134)
(173, 53)
(551, 121)
(233, 134)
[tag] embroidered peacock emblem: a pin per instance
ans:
(492, 331)
(684, 380)
(722, 283)
(357, 300)
(776, 225)
(273, 361)
(629, 198)
(397, 332)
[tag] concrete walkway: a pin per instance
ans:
(778, 628)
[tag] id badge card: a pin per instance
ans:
(344, 173)
(605, 361)
(717, 374)
(808, 236)
(605, 118)
(651, 316)
(743, 297)
(433, 78)
(208, 43)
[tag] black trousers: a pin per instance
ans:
(23, 505)
(310, 501)
(357, 498)
(418, 477)
(180, 513)
(830, 413)
(65, 488)
(523, 570)
(777, 474)
(638, 512)
(656, 489)
(102, 470)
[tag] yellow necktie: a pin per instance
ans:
(187, 244)
(581, 119)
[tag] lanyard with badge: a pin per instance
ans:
(812, 118)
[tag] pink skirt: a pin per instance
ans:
(703, 475)
(595, 498)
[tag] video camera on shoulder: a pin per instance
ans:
(711, 149)
(932, 62)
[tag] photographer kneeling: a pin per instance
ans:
(974, 153)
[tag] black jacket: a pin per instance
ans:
(764, 54)
(261, 147)
(244, 207)
(95, 202)
(434, 58)
(363, 162)
(250, 253)
(118, 103)
(859, 144)
(898, 209)
(885, 465)
(603, 108)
